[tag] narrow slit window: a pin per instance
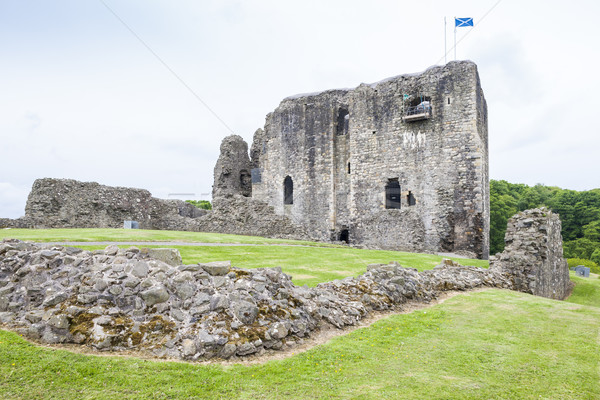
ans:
(410, 199)
(288, 190)
(348, 167)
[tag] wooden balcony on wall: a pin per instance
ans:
(417, 113)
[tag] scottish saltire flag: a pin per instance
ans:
(460, 22)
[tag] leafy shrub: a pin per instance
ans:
(203, 204)
(573, 262)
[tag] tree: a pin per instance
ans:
(579, 248)
(502, 207)
(579, 214)
(596, 256)
(203, 204)
(591, 231)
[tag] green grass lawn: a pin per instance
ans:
(587, 290)
(493, 344)
(142, 235)
(306, 265)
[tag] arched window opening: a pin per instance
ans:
(392, 194)
(288, 190)
(345, 236)
(343, 120)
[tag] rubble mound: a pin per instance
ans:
(146, 300)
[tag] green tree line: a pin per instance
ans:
(203, 204)
(579, 213)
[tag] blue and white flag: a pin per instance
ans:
(460, 22)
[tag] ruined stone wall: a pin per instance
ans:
(67, 203)
(533, 257)
(232, 171)
(241, 215)
(341, 148)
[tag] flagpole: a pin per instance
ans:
(454, 38)
(445, 51)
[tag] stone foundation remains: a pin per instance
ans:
(128, 299)
(116, 299)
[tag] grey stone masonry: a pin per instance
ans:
(349, 165)
(533, 256)
(67, 203)
(233, 169)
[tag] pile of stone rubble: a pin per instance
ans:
(147, 300)
(128, 299)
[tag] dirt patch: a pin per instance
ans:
(344, 272)
(301, 276)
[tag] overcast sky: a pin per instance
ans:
(81, 97)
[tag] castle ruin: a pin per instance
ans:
(400, 164)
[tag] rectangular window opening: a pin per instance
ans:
(392, 194)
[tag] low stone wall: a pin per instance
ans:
(14, 223)
(117, 299)
(66, 203)
(533, 255)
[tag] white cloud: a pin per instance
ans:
(12, 200)
(81, 98)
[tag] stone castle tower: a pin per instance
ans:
(399, 164)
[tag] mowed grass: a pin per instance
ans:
(480, 345)
(307, 265)
(587, 290)
(493, 344)
(307, 262)
(141, 235)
